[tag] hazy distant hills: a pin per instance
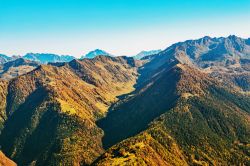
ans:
(42, 58)
(4, 58)
(95, 53)
(46, 58)
(99, 52)
(143, 54)
(186, 105)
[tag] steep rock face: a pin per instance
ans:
(62, 100)
(206, 124)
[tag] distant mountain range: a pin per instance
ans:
(143, 54)
(4, 58)
(98, 52)
(46, 58)
(185, 105)
(95, 53)
(39, 57)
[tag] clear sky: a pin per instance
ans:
(121, 27)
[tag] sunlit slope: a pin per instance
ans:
(52, 110)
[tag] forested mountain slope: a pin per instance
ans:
(205, 124)
(52, 110)
(187, 105)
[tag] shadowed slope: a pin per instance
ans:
(206, 123)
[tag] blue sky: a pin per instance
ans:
(121, 27)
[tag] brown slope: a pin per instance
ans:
(63, 100)
(110, 76)
(208, 123)
(145, 149)
(16, 67)
(4, 161)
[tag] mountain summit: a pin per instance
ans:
(95, 53)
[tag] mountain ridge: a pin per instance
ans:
(143, 54)
(95, 53)
(45, 98)
(187, 105)
(46, 58)
(14, 68)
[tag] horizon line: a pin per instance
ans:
(115, 55)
